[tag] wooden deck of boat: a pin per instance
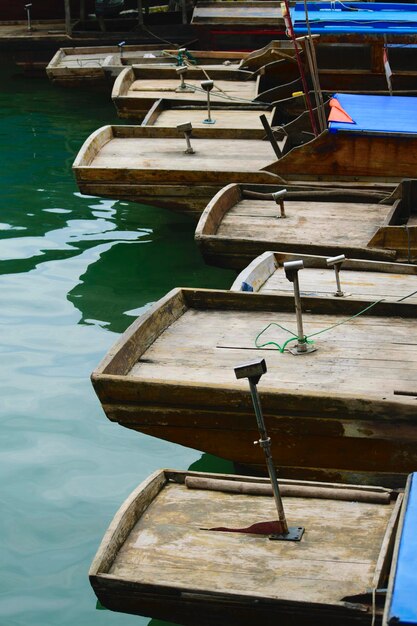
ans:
(368, 356)
(344, 412)
(360, 280)
(243, 13)
(158, 153)
(363, 285)
(336, 558)
(306, 222)
(223, 90)
(224, 118)
(232, 232)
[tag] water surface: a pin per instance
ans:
(74, 272)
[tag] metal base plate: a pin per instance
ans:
(185, 90)
(310, 348)
(294, 534)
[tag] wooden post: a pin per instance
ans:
(83, 14)
(140, 12)
(68, 28)
(184, 11)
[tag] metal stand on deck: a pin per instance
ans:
(187, 128)
(208, 85)
(253, 372)
(291, 272)
(279, 196)
(28, 7)
(183, 88)
(121, 46)
(337, 261)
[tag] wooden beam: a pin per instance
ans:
(140, 12)
(83, 13)
(68, 28)
(184, 11)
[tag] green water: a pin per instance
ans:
(74, 272)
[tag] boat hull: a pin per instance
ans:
(159, 559)
(319, 429)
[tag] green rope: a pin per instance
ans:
(352, 317)
(306, 338)
(182, 56)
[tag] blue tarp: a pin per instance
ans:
(377, 114)
(403, 607)
(355, 17)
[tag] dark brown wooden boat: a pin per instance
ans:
(75, 67)
(359, 279)
(243, 221)
(345, 412)
(159, 557)
(136, 88)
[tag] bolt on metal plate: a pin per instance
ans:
(295, 533)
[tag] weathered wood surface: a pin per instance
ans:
(360, 279)
(351, 156)
(159, 559)
(331, 413)
(275, 50)
(236, 227)
(164, 113)
(136, 88)
(77, 66)
(265, 13)
(147, 164)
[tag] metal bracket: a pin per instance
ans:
(295, 533)
(297, 352)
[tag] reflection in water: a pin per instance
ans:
(129, 277)
(73, 269)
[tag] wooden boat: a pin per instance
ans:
(136, 88)
(243, 221)
(346, 412)
(169, 114)
(242, 25)
(360, 279)
(102, 64)
(140, 166)
(72, 67)
(149, 165)
(288, 118)
(159, 557)
(380, 143)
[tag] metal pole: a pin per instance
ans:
(208, 108)
(301, 344)
(265, 443)
(28, 7)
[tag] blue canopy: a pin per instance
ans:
(402, 609)
(377, 114)
(355, 17)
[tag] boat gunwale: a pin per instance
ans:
(142, 333)
(266, 264)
